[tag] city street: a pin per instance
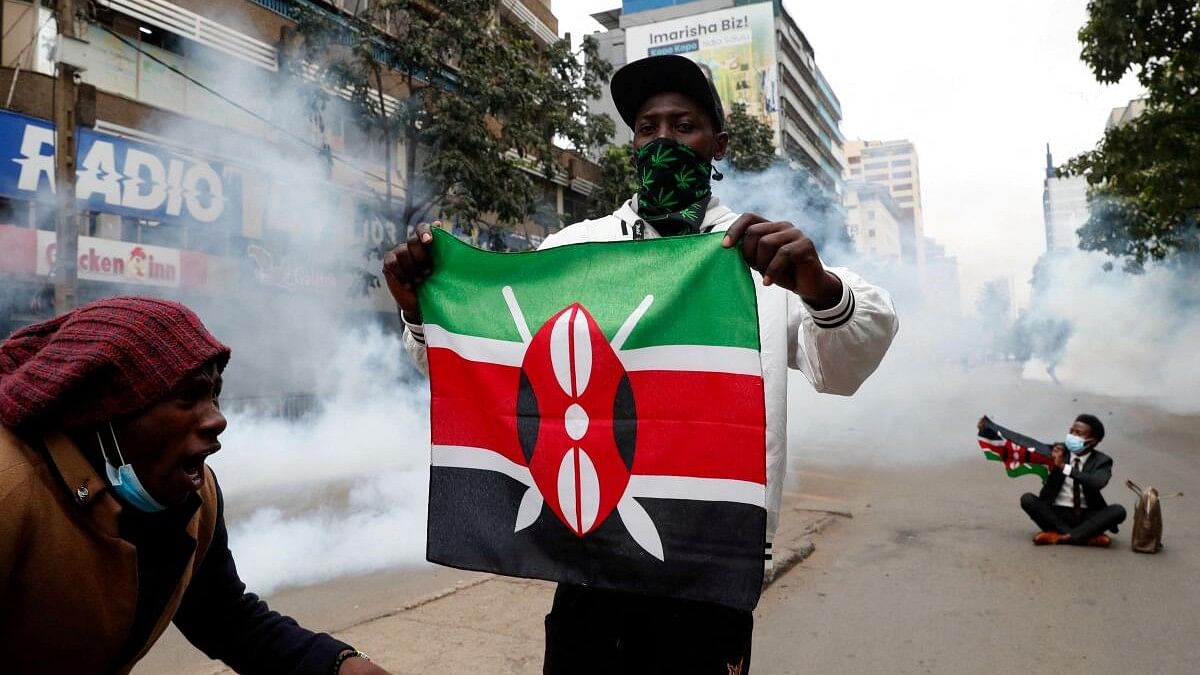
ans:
(933, 573)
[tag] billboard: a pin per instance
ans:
(27, 251)
(116, 175)
(632, 6)
(736, 46)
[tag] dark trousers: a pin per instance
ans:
(589, 630)
(1061, 519)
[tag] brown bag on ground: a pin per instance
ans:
(1147, 520)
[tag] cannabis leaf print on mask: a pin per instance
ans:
(674, 189)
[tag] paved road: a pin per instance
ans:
(936, 572)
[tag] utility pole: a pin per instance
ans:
(66, 257)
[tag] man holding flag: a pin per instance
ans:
(1070, 509)
(830, 324)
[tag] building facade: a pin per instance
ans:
(201, 175)
(893, 164)
(1064, 207)
(755, 54)
(874, 221)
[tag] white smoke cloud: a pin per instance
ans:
(342, 491)
(1127, 335)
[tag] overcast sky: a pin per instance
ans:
(980, 88)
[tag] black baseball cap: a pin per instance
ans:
(639, 80)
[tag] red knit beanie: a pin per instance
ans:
(106, 359)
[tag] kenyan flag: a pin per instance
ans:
(1020, 454)
(597, 416)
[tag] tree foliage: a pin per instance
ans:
(751, 141)
(1145, 177)
(616, 181)
(478, 101)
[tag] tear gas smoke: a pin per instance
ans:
(341, 491)
(1113, 333)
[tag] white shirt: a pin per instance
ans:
(1066, 495)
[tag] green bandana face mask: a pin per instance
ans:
(673, 186)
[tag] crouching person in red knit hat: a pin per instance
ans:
(111, 524)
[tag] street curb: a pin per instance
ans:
(419, 602)
(788, 554)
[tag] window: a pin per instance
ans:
(902, 174)
(871, 216)
(878, 177)
(871, 232)
(854, 160)
(875, 166)
(902, 162)
(903, 187)
(855, 172)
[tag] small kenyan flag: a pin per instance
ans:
(597, 416)
(1020, 454)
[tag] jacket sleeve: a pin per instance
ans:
(838, 348)
(225, 622)
(1098, 477)
(414, 344)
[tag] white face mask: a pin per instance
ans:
(125, 481)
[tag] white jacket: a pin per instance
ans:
(836, 349)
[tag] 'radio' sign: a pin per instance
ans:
(115, 175)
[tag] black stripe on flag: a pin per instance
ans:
(712, 550)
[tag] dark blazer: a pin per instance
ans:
(1095, 474)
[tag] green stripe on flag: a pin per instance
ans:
(703, 293)
(1040, 470)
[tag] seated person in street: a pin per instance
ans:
(111, 525)
(1070, 508)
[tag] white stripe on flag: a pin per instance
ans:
(464, 457)
(695, 358)
(698, 489)
(653, 487)
(698, 358)
(472, 348)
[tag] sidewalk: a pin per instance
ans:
(497, 621)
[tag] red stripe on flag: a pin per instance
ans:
(708, 425)
(705, 425)
(474, 404)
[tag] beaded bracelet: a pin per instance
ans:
(344, 656)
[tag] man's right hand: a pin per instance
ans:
(1058, 455)
(406, 267)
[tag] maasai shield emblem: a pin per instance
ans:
(597, 416)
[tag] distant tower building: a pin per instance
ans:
(874, 221)
(755, 54)
(893, 164)
(1064, 207)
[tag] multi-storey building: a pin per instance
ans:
(941, 287)
(1065, 199)
(893, 164)
(1064, 207)
(755, 54)
(199, 173)
(875, 221)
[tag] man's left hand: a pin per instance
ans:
(357, 666)
(786, 257)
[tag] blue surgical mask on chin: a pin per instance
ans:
(1074, 443)
(124, 480)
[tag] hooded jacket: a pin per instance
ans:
(836, 349)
